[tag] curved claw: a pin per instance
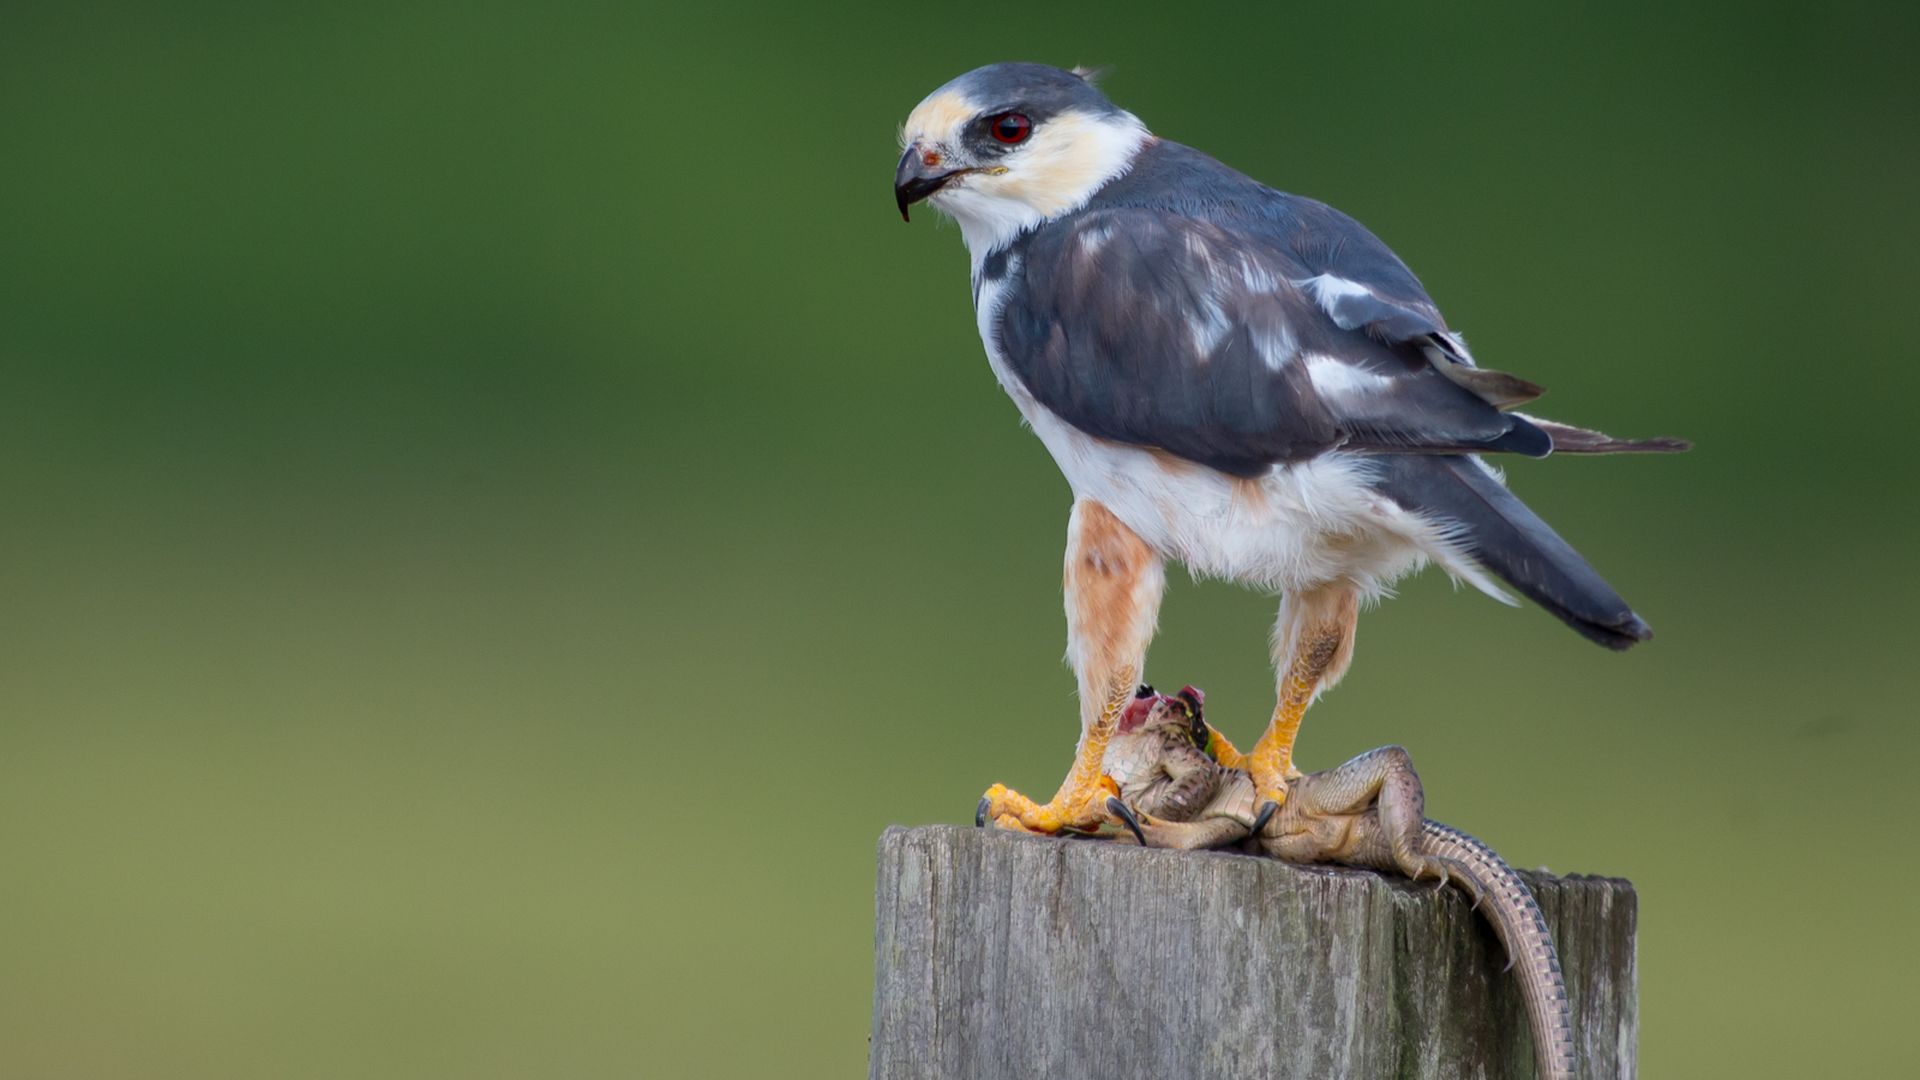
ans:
(1119, 809)
(980, 813)
(1267, 810)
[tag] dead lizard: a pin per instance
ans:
(1369, 812)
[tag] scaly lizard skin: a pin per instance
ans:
(1367, 813)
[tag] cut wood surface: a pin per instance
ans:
(1000, 955)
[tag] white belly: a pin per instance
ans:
(1298, 526)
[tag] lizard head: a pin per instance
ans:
(1156, 712)
(1162, 759)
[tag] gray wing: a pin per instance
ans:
(1240, 343)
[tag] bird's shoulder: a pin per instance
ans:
(1178, 210)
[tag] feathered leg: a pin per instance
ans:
(1312, 646)
(1113, 584)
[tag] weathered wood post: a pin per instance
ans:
(998, 955)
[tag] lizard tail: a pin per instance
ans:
(1522, 929)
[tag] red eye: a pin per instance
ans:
(1010, 127)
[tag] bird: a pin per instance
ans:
(1236, 379)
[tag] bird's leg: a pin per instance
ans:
(1224, 752)
(1312, 645)
(1113, 584)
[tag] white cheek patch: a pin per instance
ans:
(1067, 159)
(1059, 167)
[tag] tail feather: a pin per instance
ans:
(1568, 439)
(1499, 532)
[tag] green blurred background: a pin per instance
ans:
(500, 513)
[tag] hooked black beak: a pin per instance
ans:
(915, 179)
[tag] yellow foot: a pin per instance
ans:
(1137, 822)
(1083, 810)
(1270, 792)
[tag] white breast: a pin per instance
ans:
(1296, 527)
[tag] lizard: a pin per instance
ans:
(1174, 792)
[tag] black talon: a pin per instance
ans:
(980, 814)
(1145, 691)
(1119, 809)
(1267, 810)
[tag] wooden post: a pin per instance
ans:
(997, 955)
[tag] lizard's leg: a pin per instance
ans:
(1113, 584)
(1370, 812)
(1185, 785)
(1208, 832)
(1312, 646)
(1390, 836)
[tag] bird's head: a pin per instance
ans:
(1007, 146)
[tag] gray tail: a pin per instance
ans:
(1568, 439)
(1500, 533)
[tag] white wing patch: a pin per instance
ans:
(1339, 381)
(1208, 321)
(1094, 237)
(1328, 289)
(1209, 325)
(1274, 341)
(1258, 279)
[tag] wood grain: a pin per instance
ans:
(999, 955)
